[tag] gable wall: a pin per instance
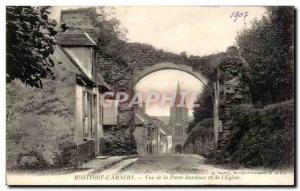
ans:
(83, 56)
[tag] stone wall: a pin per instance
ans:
(79, 18)
(233, 90)
(75, 155)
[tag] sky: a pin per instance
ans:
(196, 30)
(165, 81)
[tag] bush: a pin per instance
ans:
(35, 141)
(118, 142)
(200, 139)
(202, 129)
(260, 137)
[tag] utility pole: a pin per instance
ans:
(157, 130)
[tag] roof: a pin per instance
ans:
(163, 132)
(80, 39)
(143, 117)
(74, 39)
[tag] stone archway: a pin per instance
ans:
(178, 149)
(208, 78)
(138, 75)
(142, 71)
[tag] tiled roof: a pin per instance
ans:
(143, 117)
(74, 39)
(146, 119)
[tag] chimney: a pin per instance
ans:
(80, 20)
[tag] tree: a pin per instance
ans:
(30, 42)
(205, 111)
(111, 36)
(268, 47)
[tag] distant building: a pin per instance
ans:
(168, 132)
(150, 134)
(179, 121)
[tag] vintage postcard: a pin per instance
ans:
(150, 95)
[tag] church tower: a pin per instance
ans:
(179, 111)
(178, 122)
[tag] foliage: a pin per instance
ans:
(29, 136)
(110, 33)
(30, 42)
(268, 47)
(205, 100)
(260, 137)
(263, 134)
(118, 142)
(111, 38)
(201, 129)
(39, 120)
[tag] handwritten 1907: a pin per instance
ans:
(238, 15)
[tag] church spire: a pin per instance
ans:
(178, 95)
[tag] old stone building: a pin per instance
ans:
(178, 123)
(150, 134)
(64, 120)
(153, 136)
(79, 50)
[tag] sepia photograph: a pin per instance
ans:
(150, 95)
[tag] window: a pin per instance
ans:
(88, 115)
(178, 130)
(94, 112)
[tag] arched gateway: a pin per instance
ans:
(224, 77)
(178, 122)
(168, 65)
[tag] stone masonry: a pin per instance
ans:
(233, 90)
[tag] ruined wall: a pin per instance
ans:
(233, 90)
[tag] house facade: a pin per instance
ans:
(62, 123)
(78, 50)
(150, 134)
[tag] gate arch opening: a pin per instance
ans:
(166, 83)
(168, 65)
(145, 78)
